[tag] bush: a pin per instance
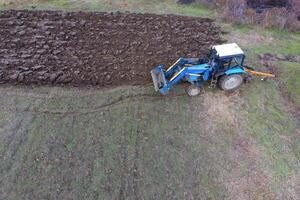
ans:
(243, 11)
(280, 17)
(234, 10)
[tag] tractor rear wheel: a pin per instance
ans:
(231, 82)
(193, 90)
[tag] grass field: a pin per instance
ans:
(140, 6)
(128, 143)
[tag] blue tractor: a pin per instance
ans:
(224, 67)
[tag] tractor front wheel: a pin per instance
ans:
(231, 82)
(193, 90)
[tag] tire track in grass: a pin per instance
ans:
(16, 142)
(122, 192)
(136, 173)
(95, 109)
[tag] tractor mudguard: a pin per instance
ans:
(236, 70)
(206, 75)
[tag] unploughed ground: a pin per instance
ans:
(85, 48)
(128, 143)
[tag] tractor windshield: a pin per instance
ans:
(232, 61)
(237, 61)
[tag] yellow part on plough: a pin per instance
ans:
(256, 73)
(173, 65)
(177, 74)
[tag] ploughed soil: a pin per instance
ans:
(81, 48)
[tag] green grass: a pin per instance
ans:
(267, 121)
(2, 6)
(140, 6)
(96, 150)
(44, 5)
(289, 75)
(240, 28)
(276, 41)
(190, 10)
(177, 144)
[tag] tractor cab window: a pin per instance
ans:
(236, 61)
(225, 62)
(231, 62)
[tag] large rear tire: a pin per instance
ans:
(231, 82)
(193, 90)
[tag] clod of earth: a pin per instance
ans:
(78, 48)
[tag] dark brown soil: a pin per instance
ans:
(79, 48)
(185, 1)
(268, 3)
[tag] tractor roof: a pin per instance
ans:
(225, 50)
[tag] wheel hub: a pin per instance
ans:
(232, 82)
(194, 91)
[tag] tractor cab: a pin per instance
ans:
(226, 56)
